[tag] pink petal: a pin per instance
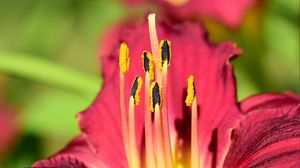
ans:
(229, 12)
(10, 129)
(269, 135)
(76, 155)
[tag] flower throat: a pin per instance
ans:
(158, 148)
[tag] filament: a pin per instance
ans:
(160, 155)
(124, 66)
(165, 117)
(195, 156)
(150, 157)
(135, 160)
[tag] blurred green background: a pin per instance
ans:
(49, 69)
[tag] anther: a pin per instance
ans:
(124, 60)
(148, 64)
(191, 91)
(136, 89)
(155, 95)
(165, 52)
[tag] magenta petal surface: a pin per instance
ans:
(269, 135)
(229, 12)
(76, 155)
(10, 129)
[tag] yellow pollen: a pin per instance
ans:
(124, 60)
(136, 89)
(148, 64)
(190, 91)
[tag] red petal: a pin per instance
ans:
(191, 54)
(76, 155)
(269, 135)
(10, 129)
(228, 11)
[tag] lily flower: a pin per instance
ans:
(185, 114)
(230, 12)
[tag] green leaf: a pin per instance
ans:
(245, 86)
(282, 42)
(30, 67)
(52, 113)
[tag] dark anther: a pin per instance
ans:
(165, 52)
(146, 62)
(155, 95)
(194, 88)
(134, 87)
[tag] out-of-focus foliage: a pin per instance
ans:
(49, 70)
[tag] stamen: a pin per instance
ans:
(148, 67)
(165, 56)
(155, 107)
(124, 62)
(154, 46)
(134, 100)
(192, 101)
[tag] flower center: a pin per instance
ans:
(158, 148)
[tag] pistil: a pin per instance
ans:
(124, 62)
(192, 101)
(134, 100)
(154, 46)
(165, 56)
